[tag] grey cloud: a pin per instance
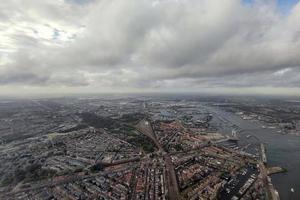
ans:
(72, 80)
(30, 78)
(23, 78)
(152, 44)
(80, 1)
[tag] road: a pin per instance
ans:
(145, 128)
(118, 162)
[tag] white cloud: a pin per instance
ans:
(156, 45)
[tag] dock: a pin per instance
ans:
(263, 153)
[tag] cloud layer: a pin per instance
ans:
(135, 45)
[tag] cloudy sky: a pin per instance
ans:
(94, 46)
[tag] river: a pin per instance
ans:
(282, 150)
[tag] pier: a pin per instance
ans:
(263, 153)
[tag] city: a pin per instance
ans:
(138, 148)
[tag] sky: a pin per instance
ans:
(107, 46)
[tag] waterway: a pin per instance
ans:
(282, 150)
